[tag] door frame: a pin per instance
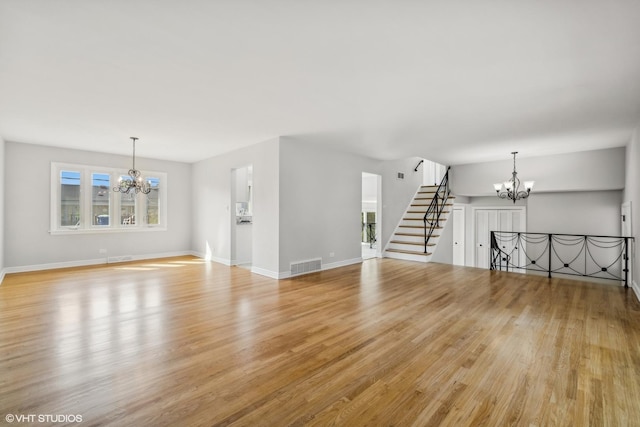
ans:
(523, 210)
(378, 177)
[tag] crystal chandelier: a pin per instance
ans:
(135, 181)
(511, 189)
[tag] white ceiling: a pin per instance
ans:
(453, 81)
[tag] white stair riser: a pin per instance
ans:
(409, 247)
(412, 239)
(407, 257)
(413, 222)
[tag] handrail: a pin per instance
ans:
(498, 255)
(602, 257)
(432, 216)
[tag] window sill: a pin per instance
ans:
(69, 231)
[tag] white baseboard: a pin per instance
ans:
(344, 263)
(223, 261)
(636, 289)
(265, 272)
(87, 262)
(54, 265)
(332, 265)
(2, 273)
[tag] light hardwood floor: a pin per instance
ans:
(185, 342)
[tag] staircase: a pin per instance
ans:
(408, 241)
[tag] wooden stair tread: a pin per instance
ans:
(425, 212)
(402, 251)
(415, 235)
(419, 219)
(418, 197)
(399, 242)
(417, 226)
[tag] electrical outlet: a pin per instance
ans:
(332, 254)
(102, 251)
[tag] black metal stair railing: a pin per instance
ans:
(434, 211)
(602, 257)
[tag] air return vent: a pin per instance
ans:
(309, 266)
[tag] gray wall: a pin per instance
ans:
(321, 201)
(397, 194)
(585, 212)
(582, 171)
(2, 225)
(632, 194)
(212, 213)
(27, 217)
(578, 193)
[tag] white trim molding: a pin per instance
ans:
(95, 261)
(636, 289)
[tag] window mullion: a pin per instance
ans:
(115, 206)
(85, 199)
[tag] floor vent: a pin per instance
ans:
(309, 266)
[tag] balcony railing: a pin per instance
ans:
(601, 257)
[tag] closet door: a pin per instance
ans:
(458, 236)
(511, 221)
(486, 221)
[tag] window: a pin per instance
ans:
(83, 200)
(100, 198)
(69, 198)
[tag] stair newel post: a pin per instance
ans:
(626, 262)
(425, 233)
(550, 248)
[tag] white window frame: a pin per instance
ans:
(86, 225)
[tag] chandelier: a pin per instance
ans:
(135, 181)
(511, 189)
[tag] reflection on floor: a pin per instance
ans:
(367, 252)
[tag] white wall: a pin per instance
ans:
(369, 188)
(586, 212)
(28, 242)
(2, 225)
(582, 171)
(632, 194)
(212, 212)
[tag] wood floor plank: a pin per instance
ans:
(182, 341)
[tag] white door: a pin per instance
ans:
(486, 221)
(458, 236)
(511, 220)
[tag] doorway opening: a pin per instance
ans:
(242, 216)
(370, 215)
